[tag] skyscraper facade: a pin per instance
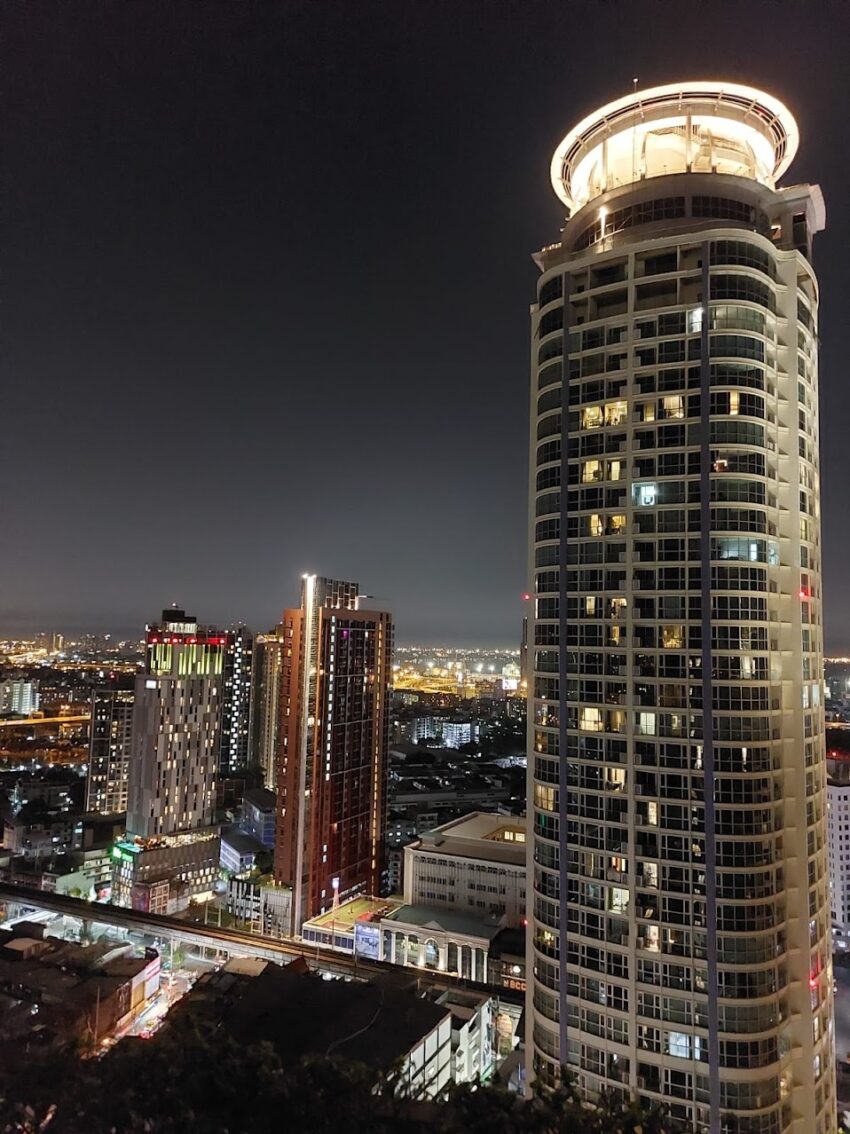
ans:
(173, 767)
(265, 703)
(235, 732)
(332, 756)
(110, 749)
(679, 931)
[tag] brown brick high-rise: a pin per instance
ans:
(332, 754)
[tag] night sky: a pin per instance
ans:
(265, 284)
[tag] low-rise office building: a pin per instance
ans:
(435, 938)
(258, 815)
(260, 905)
(188, 861)
(239, 852)
(475, 864)
(473, 1034)
(385, 1024)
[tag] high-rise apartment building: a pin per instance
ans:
(265, 703)
(236, 701)
(172, 775)
(19, 695)
(679, 932)
(332, 752)
(838, 838)
(110, 749)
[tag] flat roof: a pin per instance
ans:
(261, 798)
(447, 921)
(477, 836)
(22, 944)
(375, 1024)
(242, 843)
(347, 914)
(245, 966)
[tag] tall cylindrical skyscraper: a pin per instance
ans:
(679, 931)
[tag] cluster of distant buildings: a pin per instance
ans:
(55, 991)
(291, 735)
(307, 704)
(354, 827)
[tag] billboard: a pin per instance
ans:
(367, 940)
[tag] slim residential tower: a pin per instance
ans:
(333, 740)
(265, 703)
(679, 938)
(235, 733)
(171, 851)
(110, 748)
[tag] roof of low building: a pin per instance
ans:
(376, 1023)
(480, 835)
(261, 798)
(241, 843)
(447, 921)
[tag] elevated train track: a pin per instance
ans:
(238, 943)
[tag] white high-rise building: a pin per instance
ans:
(838, 807)
(679, 935)
(176, 728)
(173, 767)
(17, 695)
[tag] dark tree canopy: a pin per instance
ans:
(188, 1079)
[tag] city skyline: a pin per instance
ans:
(525, 314)
(176, 248)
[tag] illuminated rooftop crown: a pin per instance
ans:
(701, 127)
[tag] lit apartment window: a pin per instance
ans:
(590, 719)
(544, 798)
(673, 405)
(615, 413)
(672, 637)
(645, 495)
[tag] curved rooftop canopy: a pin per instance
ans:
(699, 127)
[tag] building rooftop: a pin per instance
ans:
(480, 835)
(447, 921)
(74, 987)
(242, 843)
(245, 966)
(707, 126)
(375, 1023)
(261, 798)
(347, 914)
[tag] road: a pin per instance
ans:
(39, 722)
